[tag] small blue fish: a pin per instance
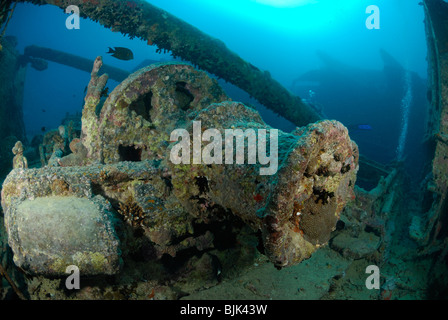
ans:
(364, 127)
(359, 127)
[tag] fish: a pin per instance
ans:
(121, 53)
(364, 127)
(43, 110)
(359, 127)
(43, 129)
(104, 92)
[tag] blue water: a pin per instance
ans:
(288, 38)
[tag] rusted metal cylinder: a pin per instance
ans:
(297, 205)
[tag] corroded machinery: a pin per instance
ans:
(121, 165)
